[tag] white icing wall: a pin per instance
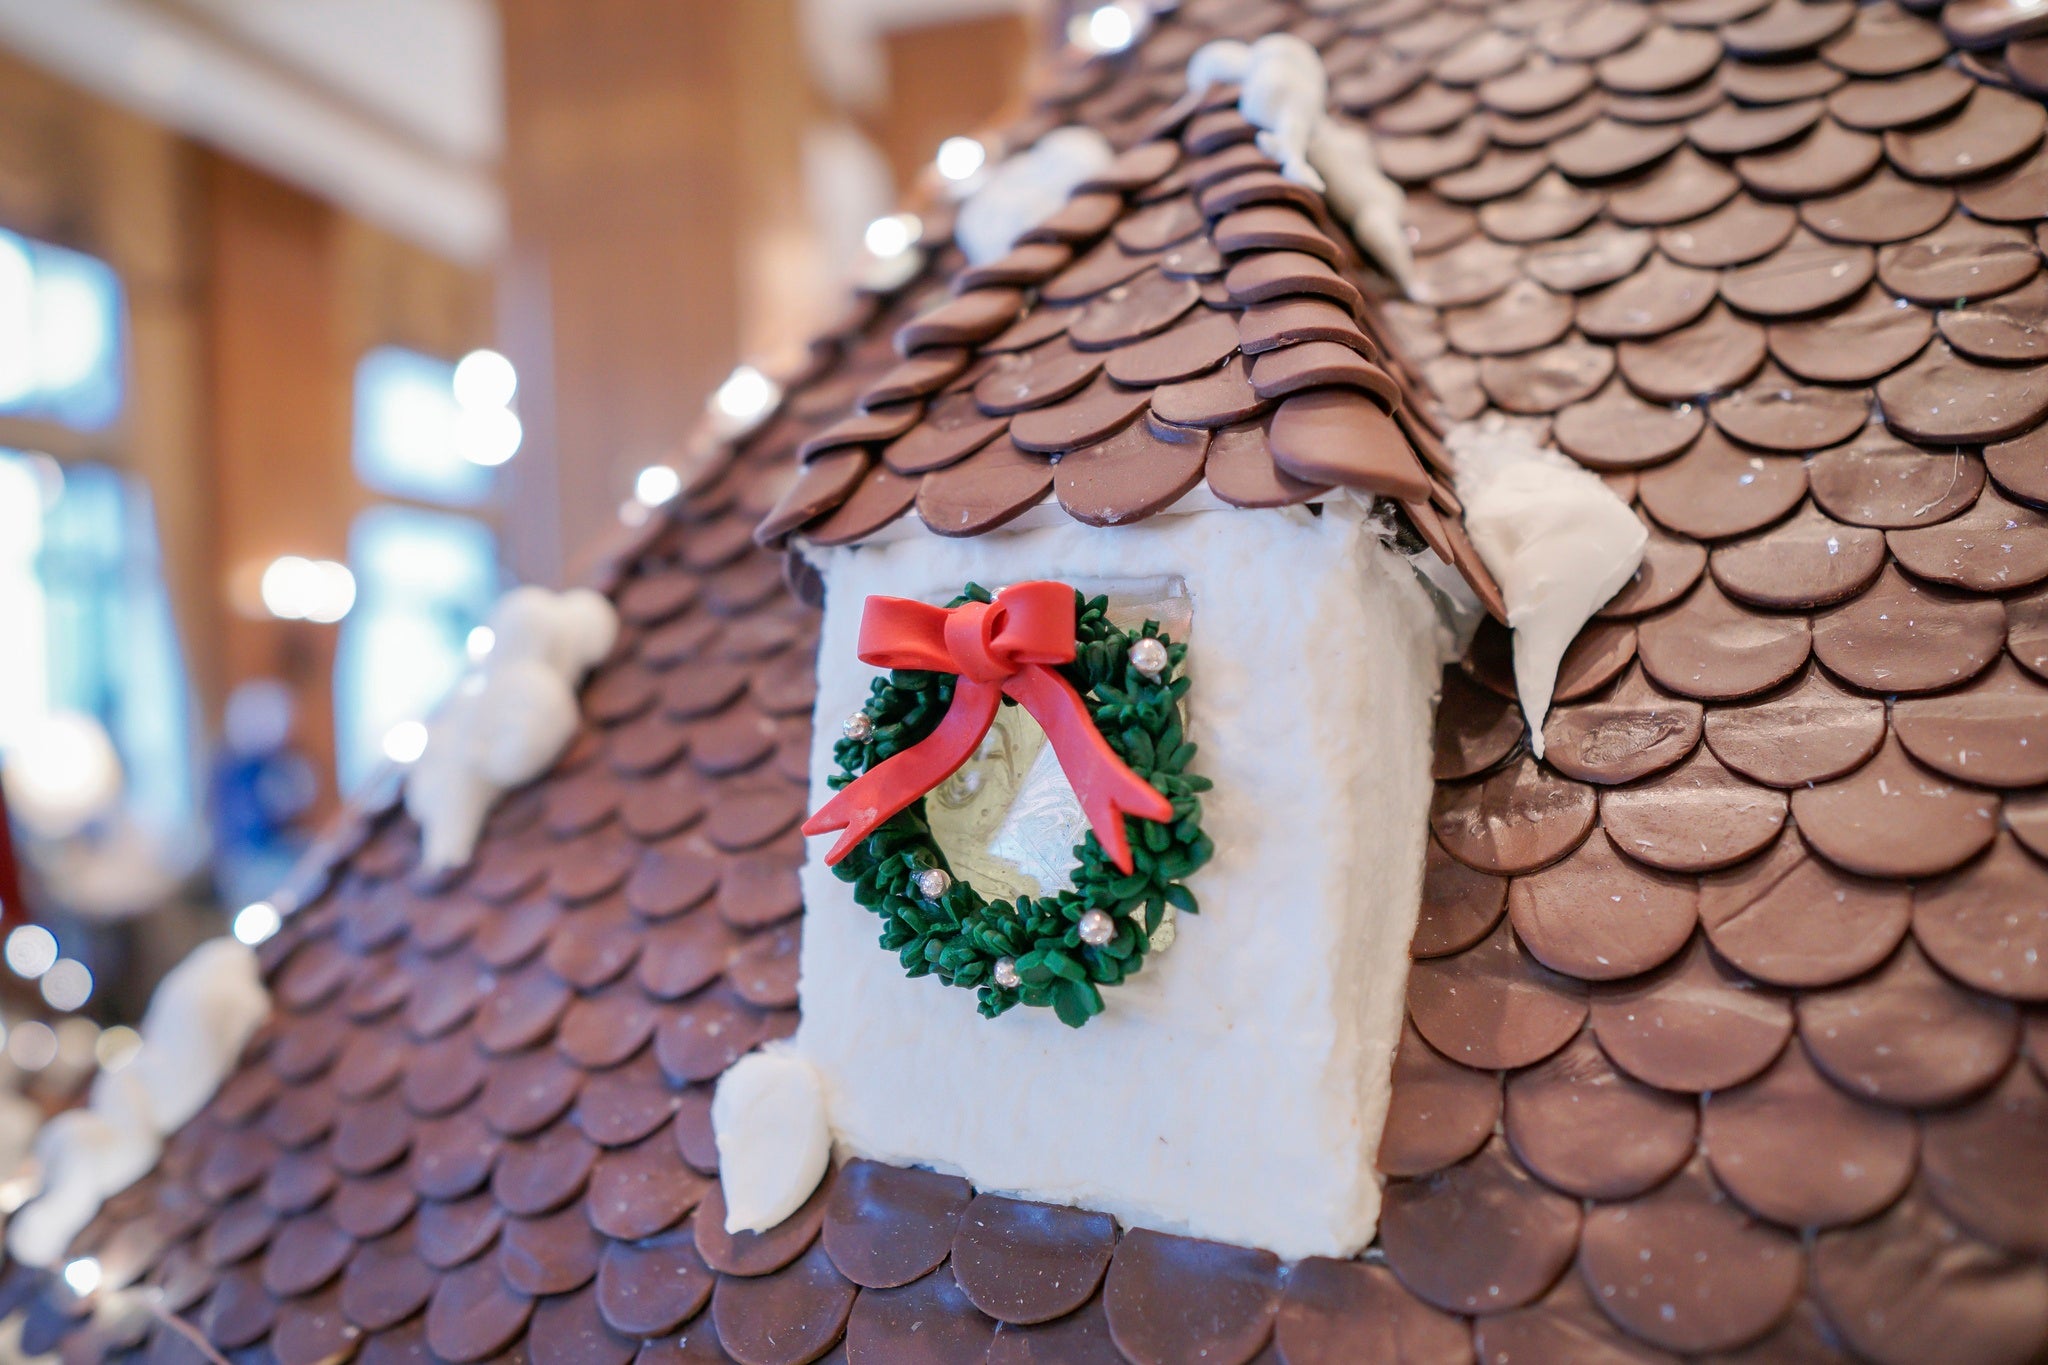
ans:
(1237, 1088)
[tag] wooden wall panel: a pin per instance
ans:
(390, 292)
(946, 79)
(649, 143)
(654, 172)
(279, 396)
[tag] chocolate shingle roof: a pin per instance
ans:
(1189, 317)
(1725, 1033)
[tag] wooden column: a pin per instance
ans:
(646, 140)
(945, 79)
(279, 391)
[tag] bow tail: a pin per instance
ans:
(895, 784)
(1106, 785)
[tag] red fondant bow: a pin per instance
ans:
(995, 647)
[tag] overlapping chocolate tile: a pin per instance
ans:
(1136, 360)
(1556, 1109)
(1480, 1237)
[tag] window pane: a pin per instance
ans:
(88, 621)
(25, 684)
(408, 436)
(60, 334)
(424, 580)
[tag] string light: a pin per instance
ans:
(893, 235)
(116, 1047)
(67, 985)
(738, 405)
(479, 643)
(960, 158)
(405, 742)
(295, 588)
(62, 774)
(256, 922)
(487, 431)
(31, 951)
(484, 379)
(33, 1045)
(745, 394)
(82, 1275)
(488, 436)
(1107, 28)
(657, 484)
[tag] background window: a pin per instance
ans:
(406, 425)
(434, 431)
(60, 334)
(88, 625)
(424, 581)
(428, 431)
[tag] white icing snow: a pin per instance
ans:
(768, 1116)
(1263, 1042)
(84, 1158)
(509, 717)
(201, 1014)
(1555, 538)
(1364, 196)
(1027, 189)
(1284, 92)
(197, 1023)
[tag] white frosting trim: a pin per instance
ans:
(509, 718)
(1027, 189)
(198, 1021)
(1555, 538)
(774, 1141)
(1285, 94)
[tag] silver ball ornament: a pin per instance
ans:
(1006, 973)
(1148, 656)
(1097, 928)
(859, 727)
(933, 883)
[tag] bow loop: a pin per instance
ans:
(1034, 624)
(1029, 623)
(971, 640)
(1004, 646)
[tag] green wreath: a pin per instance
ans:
(1033, 950)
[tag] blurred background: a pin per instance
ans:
(321, 322)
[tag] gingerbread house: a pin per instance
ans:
(1700, 1019)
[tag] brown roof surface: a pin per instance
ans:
(1190, 316)
(1726, 1036)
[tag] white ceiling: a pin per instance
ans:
(392, 109)
(430, 67)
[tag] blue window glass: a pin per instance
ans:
(60, 334)
(409, 431)
(424, 581)
(88, 623)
